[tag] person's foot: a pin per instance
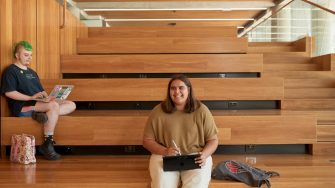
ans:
(48, 150)
(40, 117)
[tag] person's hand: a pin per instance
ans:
(171, 151)
(201, 160)
(38, 96)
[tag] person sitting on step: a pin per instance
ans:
(26, 97)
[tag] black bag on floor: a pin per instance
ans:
(238, 171)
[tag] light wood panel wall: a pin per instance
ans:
(6, 36)
(68, 35)
(5, 51)
(154, 89)
(24, 24)
(162, 63)
(163, 31)
(161, 45)
(82, 30)
(114, 130)
(48, 39)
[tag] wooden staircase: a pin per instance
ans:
(309, 87)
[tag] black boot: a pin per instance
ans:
(48, 150)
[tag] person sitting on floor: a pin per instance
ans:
(26, 97)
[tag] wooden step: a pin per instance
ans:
(100, 129)
(292, 67)
(326, 132)
(270, 49)
(161, 45)
(300, 74)
(324, 148)
(301, 45)
(286, 57)
(321, 115)
(154, 89)
(309, 83)
(308, 104)
(309, 93)
(162, 63)
(162, 31)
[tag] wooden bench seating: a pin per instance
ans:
(154, 89)
(126, 127)
(161, 45)
(162, 63)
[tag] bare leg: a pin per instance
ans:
(52, 110)
(66, 107)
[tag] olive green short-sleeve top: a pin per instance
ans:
(190, 131)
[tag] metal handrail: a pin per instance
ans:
(319, 6)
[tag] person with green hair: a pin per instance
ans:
(27, 98)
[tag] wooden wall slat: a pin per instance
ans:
(24, 24)
(6, 42)
(48, 42)
(68, 35)
(161, 45)
(162, 63)
(154, 89)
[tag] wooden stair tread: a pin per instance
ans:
(309, 83)
(300, 74)
(292, 67)
(162, 63)
(309, 93)
(269, 112)
(311, 104)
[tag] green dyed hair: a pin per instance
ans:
(25, 44)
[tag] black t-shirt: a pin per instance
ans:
(23, 81)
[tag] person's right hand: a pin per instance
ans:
(171, 151)
(38, 96)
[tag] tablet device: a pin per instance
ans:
(180, 162)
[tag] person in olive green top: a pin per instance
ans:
(182, 119)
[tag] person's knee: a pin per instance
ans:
(53, 106)
(72, 106)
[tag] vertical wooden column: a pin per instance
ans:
(24, 24)
(5, 51)
(48, 42)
